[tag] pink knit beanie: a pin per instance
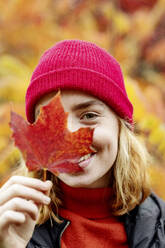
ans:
(79, 65)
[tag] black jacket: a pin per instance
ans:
(145, 227)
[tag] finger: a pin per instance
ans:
(11, 217)
(18, 190)
(29, 182)
(20, 205)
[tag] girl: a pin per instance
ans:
(109, 203)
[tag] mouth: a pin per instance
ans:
(85, 160)
(72, 166)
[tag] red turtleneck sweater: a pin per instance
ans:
(92, 225)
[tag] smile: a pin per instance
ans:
(87, 156)
(84, 160)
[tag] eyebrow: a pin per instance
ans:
(86, 104)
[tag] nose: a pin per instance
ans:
(73, 124)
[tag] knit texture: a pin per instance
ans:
(91, 223)
(79, 65)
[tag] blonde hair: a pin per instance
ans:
(129, 178)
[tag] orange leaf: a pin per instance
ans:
(48, 143)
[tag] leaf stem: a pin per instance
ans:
(44, 175)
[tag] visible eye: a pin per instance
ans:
(89, 116)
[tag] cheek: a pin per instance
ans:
(105, 137)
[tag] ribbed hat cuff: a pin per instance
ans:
(83, 79)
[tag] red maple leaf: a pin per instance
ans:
(47, 143)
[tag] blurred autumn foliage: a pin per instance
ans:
(133, 31)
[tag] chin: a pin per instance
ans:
(76, 182)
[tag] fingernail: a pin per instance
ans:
(46, 200)
(49, 183)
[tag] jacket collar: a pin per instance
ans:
(145, 224)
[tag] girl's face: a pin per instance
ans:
(87, 111)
